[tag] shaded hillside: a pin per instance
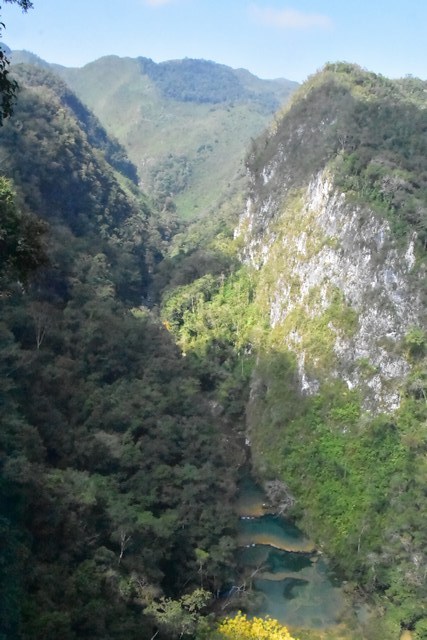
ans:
(185, 124)
(110, 459)
(96, 134)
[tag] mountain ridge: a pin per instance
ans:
(185, 124)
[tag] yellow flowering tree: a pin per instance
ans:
(241, 628)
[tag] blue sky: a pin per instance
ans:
(273, 38)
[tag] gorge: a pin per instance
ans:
(144, 342)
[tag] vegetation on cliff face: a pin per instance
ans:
(357, 476)
(368, 129)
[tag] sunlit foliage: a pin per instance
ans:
(242, 628)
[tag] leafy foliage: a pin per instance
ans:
(242, 628)
(180, 617)
(21, 248)
(111, 460)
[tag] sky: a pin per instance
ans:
(272, 39)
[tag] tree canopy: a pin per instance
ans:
(242, 628)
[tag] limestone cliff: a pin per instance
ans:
(343, 288)
(335, 225)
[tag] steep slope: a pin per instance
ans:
(185, 124)
(319, 336)
(335, 226)
(336, 218)
(110, 458)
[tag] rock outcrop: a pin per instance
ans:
(335, 263)
(341, 286)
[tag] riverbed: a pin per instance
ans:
(298, 587)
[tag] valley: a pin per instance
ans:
(185, 124)
(243, 261)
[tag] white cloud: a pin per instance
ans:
(290, 18)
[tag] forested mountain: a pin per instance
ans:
(185, 124)
(137, 355)
(111, 460)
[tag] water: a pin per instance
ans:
(273, 531)
(297, 586)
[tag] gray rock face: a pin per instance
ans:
(331, 266)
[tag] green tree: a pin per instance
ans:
(240, 628)
(8, 87)
(21, 249)
(179, 617)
